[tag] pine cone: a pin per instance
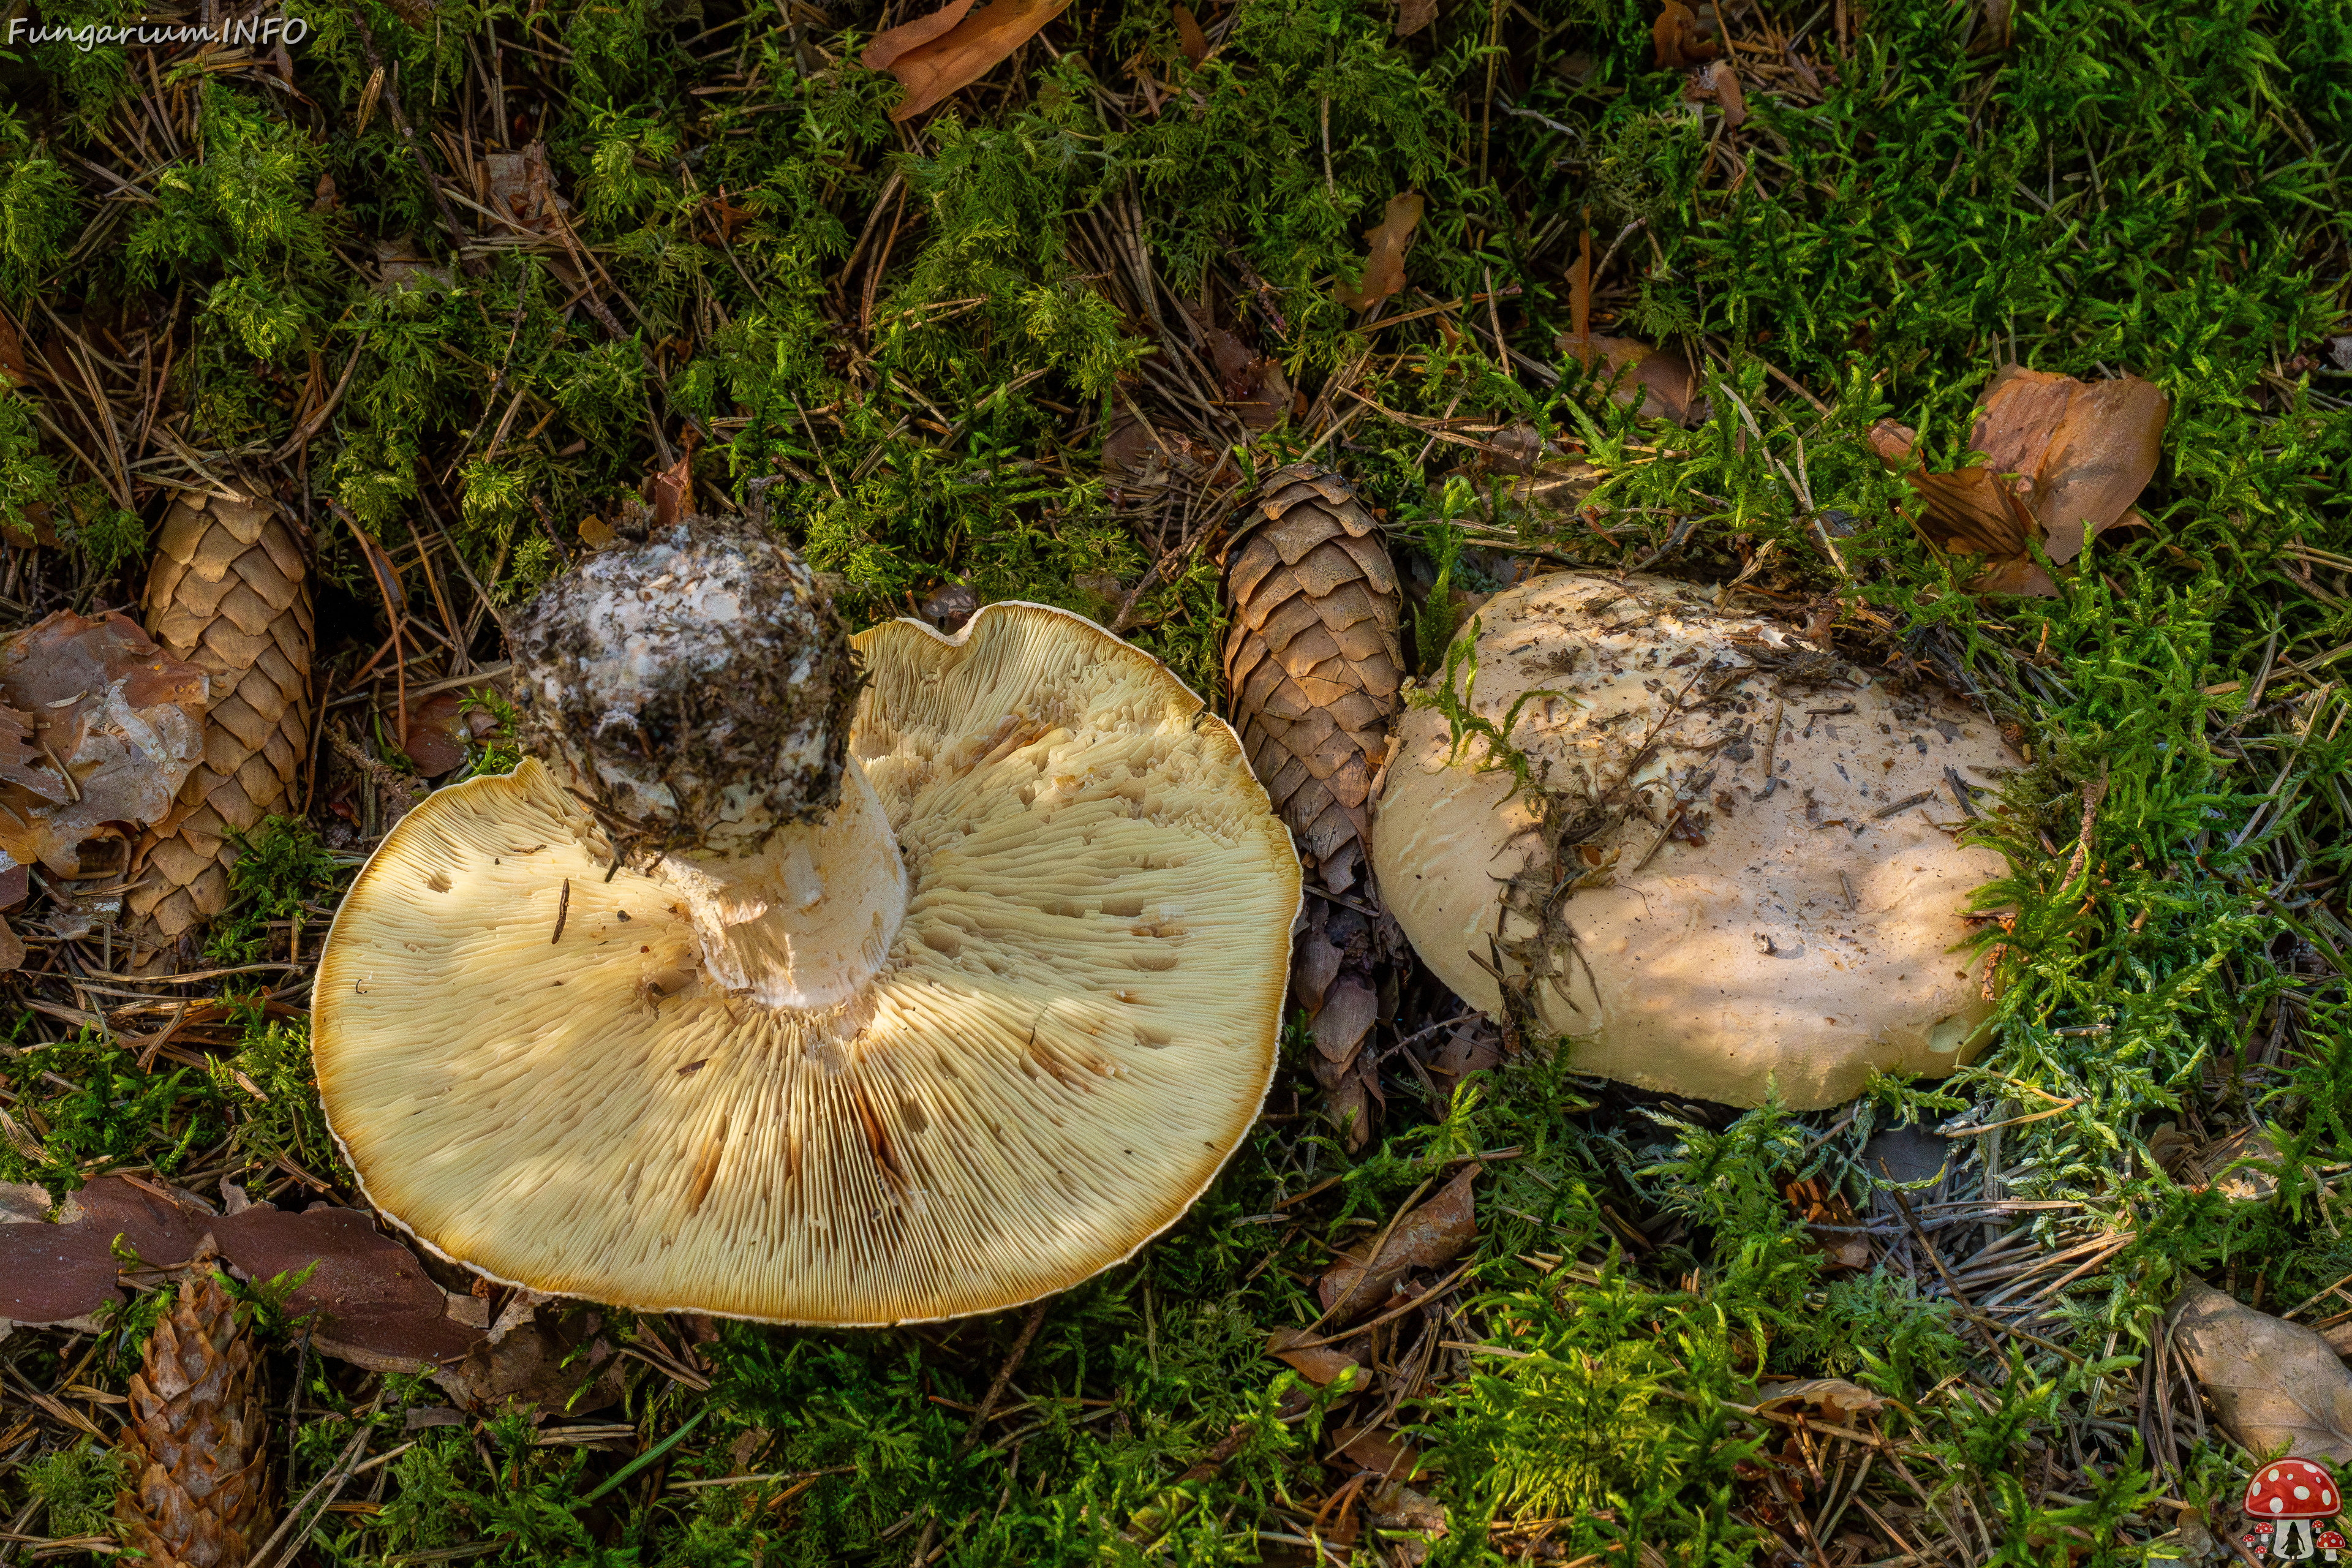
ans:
(1313, 663)
(1312, 658)
(229, 593)
(195, 1438)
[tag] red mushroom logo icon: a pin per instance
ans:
(2330, 1543)
(2283, 1498)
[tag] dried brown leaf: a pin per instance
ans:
(1660, 383)
(2100, 458)
(1579, 291)
(1189, 35)
(1677, 37)
(54, 1273)
(437, 733)
(1717, 81)
(375, 1303)
(559, 1367)
(2017, 412)
(97, 702)
(2274, 1384)
(1382, 1450)
(1432, 1234)
(1319, 1364)
(522, 185)
(935, 55)
(2064, 461)
(1471, 1049)
(1413, 16)
(12, 353)
(891, 43)
(1345, 1019)
(1837, 1400)
(1384, 268)
(670, 492)
(1313, 968)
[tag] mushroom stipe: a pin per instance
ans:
(1064, 1035)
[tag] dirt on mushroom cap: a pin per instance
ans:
(1073, 1031)
(1692, 925)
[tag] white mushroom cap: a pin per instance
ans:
(1069, 1034)
(1708, 935)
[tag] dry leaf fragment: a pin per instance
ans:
(522, 185)
(2063, 462)
(1660, 384)
(1838, 1401)
(99, 730)
(1254, 385)
(567, 1367)
(439, 729)
(2099, 459)
(12, 354)
(1319, 1363)
(1677, 39)
(1345, 1018)
(1719, 82)
(670, 492)
(1384, 268)
(1188, 34)
(1413, 16)
(1382, 1450)
(1432, 1235)
(935, 55)
(2272, 1382)
(376, 1305)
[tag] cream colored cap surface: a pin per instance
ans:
(1073, 1029)
(1722, 936)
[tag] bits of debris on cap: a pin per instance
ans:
(1711, 854)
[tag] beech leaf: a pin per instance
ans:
(374, 1303)
(1384, 268)
(933, 57)
(2274, 1384)
(2065, 461)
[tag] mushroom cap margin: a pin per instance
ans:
(978, 1212)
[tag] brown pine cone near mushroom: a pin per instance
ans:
(228, 593)
(196, 1437)
(1313, 665)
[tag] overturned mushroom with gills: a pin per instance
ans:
(810, 979)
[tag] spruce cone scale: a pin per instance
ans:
(196, 1437)
(1313, 658)
(229, 593)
